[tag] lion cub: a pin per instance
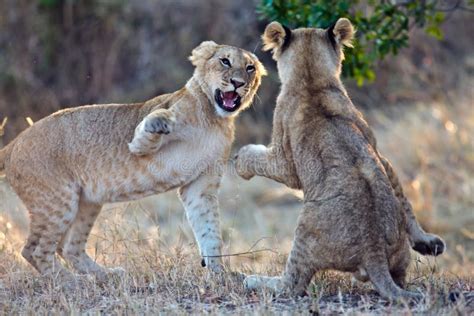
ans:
(355, 217)
(67, 165)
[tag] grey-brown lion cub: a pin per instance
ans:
(355, 217)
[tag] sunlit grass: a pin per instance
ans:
(430, 146)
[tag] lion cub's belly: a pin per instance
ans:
(135, 177)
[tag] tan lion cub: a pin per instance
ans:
(355, 217)
(67, 165)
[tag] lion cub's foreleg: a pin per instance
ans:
(199, 199)
(263, 161)
(148, 134)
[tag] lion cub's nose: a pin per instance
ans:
(237, 83)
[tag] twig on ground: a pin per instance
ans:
(242, 253)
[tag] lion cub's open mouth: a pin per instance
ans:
(228, 101)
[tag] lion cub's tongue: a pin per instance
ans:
(228, 98)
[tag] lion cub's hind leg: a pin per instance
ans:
(399, 264)
(73, 246)
(302, 263)
(36, 230)
(388, 283)
(51, 214)
(299, 271)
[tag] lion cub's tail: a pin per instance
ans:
(4, 155)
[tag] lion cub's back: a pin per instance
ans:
(336, 164)
(68, 137)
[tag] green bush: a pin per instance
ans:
(382, 26)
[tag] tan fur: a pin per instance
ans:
(355, 217)
(2, 131)
(273, 37)
(67, 165)
(344, 32)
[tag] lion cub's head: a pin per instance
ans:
(229, 76)
(318, 51)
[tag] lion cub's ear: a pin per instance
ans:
(203, 52)
(343, 32)
(276, 37)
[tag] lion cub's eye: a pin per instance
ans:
(250, 68)
(225, 62)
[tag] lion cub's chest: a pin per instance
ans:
(177, 163)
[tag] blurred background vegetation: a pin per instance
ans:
(63, 53)
(382, 26)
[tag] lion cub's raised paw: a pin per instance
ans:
(147, 137)
(159, 123)
(247, 157)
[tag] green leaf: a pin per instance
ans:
(49, 3)
(434, 31)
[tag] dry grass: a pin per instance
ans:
(433, 150)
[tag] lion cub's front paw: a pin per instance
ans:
(241, 169)
(161, 123)
(246, 159)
